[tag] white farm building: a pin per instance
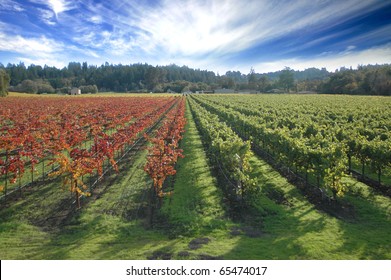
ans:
(75, 91)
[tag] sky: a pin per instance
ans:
(216, 35)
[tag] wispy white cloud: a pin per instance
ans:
(210, 34)
(19, 44)
(10, 5)
(205, 33)
(113, 43)
(57, 6)
(50, 61)
(42, 50)
(54, 8)
(331, 61)
(382, 33)
(47, 16)
(96, 19)
(197, 27)
(38, 51)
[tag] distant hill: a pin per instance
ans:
(307, 74)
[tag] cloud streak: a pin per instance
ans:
(57, 6)
(197, 28)
(331, 61)
(10, 5)
(212, 34)
(19, 44)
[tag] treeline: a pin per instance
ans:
(108, 77)
(371, 79)
(365, 80)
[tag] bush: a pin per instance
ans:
(38, 86)
(89, 89)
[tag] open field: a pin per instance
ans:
(261, 177)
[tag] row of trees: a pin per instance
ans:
(374, 80)
(109, 77)
(371, 79)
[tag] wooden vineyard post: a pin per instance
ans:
(77, 196)
(379, 175)
(151, 207)
(6, 175)
(43, 169)
(363, 170)
(32, 173)
(32, 166)
(20, 181)
(43, 162)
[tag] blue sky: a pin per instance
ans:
(215, 35)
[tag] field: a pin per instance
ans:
(118, 176)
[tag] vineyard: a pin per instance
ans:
(195, 177)
(75, 139)
(319, 138)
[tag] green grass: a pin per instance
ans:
(197, 201)
(299, 231)
(111, 224)
(102, 229)
(20, 229)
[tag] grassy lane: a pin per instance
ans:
(196, 206)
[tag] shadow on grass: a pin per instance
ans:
(370, 234)
(105, 219)
(300, 231)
